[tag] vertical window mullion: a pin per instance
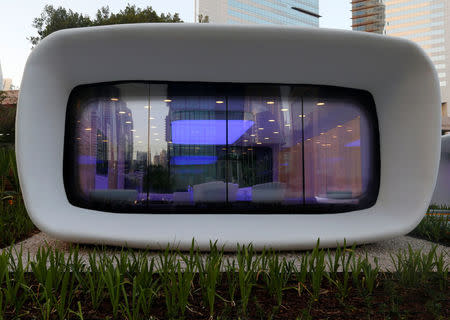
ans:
(148, 162)
(226, 149)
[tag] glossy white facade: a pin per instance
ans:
(402, 81)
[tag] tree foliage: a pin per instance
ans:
(203, 18)
(53, 19)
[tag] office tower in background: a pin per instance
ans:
(368, 16)
(426, 22)
(290, 12)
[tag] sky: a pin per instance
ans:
(16, 17)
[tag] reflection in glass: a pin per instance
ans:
(157, 147)
(338, 149)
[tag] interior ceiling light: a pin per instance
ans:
(270, 102)
(271, 120)
(128, 122)
(284, 109)
(320, 103)
(133, 130)
(88, 129)
(301, 115)
(276, 132)
(167, 100)
(114, 99)
(219, 101)
(287, 125)
(339, 126)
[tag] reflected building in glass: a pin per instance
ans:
(290, 12)
(426, 22)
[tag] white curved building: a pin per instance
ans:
(303, 140)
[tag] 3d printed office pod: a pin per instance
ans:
(149, 134)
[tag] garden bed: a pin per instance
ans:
(176, 285)
(434, 227)
(389, 300)
(15, 224)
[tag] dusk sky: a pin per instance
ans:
(17, 16)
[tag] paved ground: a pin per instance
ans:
(381, 250)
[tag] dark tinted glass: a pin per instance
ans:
(206, 147)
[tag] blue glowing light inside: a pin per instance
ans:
(192, 160)
(208, 132)
(356, 143)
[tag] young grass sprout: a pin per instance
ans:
(131, 284)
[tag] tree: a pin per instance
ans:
(203, 19)
(53, 19)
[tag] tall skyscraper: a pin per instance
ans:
(368, 16)
(290, 12)
(426, 22)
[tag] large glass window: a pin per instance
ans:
(209, 147)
